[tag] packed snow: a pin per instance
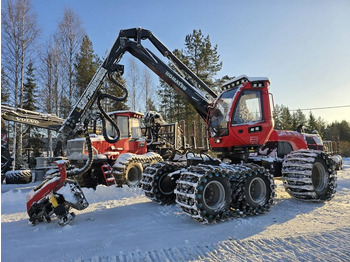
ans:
(121, 224)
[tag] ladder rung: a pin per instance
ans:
(108, 175)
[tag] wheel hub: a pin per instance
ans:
(257, 191)
(319, 177)
(134, 176)
(214, 195)
(167, 185)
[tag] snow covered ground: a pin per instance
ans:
(121, 224)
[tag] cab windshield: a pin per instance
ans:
(219, 116)
(123, 125)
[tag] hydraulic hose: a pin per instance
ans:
(88, 164)
(105, 116)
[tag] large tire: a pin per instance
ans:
(158, 185)
(253, 190)
(204, 193)
(18, 177)
(214, 196)
(309, 175)
(133, 174)
(215, 193)
(128, 168)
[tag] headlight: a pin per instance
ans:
(217, 140)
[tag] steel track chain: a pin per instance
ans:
(151, 179)
(190, 186)
(297, 174)
(119, 170)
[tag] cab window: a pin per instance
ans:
(248, 108)
(135, 124)
(123, 125)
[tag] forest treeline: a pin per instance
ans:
(49, 76)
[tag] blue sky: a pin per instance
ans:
(303, 46)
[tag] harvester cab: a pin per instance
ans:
(241, 118)
(131, 139)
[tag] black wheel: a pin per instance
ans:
(158, 184)
(18, 177)
(320, 176)
(167, 184)
(133, 174)
(309, 175)
(214, 196)
(253, 190)
(258, 190)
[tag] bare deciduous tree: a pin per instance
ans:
(149, 91)
(19, 32)
(68, 37)
(49, 74)
(147, 84)
(134, 78)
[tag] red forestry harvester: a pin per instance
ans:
(126, 159)
(239, 122)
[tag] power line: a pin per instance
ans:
(317, 108)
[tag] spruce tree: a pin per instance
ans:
(5, 88)
(29, 89)
(311, 123)
(85, 67)
(31, 133)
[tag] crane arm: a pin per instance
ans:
(32, 118)
(130, 41)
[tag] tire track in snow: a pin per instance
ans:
(325, 246)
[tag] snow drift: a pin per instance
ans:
(121, 224)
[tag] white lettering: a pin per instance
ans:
(26, 120)
(174, 79)
(89, 92)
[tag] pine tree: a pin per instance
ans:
(202, 57)
(298, 118)
(284, 121)
(344, 130)
(277, 115)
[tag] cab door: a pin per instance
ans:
(251, 117)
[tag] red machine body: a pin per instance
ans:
(241, 118)
(131, 140)
(48, 186)
(294, 138)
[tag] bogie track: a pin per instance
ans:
(215, 193)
